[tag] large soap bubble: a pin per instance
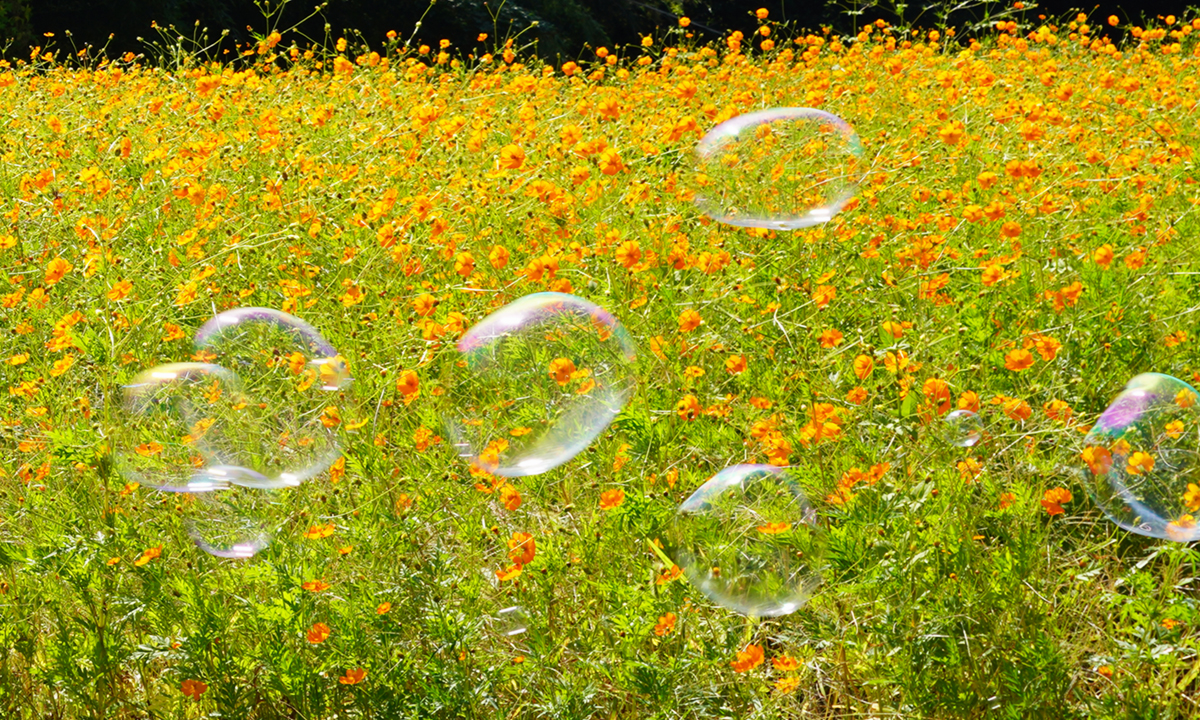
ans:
(536, 381)
(963, 428)
(749, 540)
(291, 377)
(1142, 458)
(783, 168)
(176, 420)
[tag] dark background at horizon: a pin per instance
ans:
(566, 29)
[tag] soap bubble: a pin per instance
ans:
(537, 381)
(231, 523)
(963, 428)
(749, 540)
(175, 420)
(511, 621)
(291, 377)
(783, 168)
(1141, 460)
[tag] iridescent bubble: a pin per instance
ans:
(292, 378)
(749, 540)
(536, 381)
(511, 621)
(963, 428)
(233, 522)
(783, 168)
(176, 420)
(1141, 460)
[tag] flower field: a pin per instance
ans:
(1022, 243)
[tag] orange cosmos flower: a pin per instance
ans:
(666, 625)
(1140, 462)
(148, 555)
(688, 408)
(318, 633)
(774, 528)
(1052, 499)
(864, 365)
(857, 395)
(383, 608)
(316, 586)
(521, 548)
(952, 134)
(629, 253)
(668, 575)
(830, 338)
(498, 257)
(193, 689)
(747, 659)
(689, 320)
(509, 497)
(319, 532)
(1006, 500)
(120, 290)
(1018, 360)
(512, 157)
(1103, 255)
(512, 572)
(969, 469)
(824, 294)
(783, 686)
(612, 499)
(561, 370)
(1185, 399)
(786, 663)
(408, 385)
(1191, 497)
(353, 677)
(172, 332)
(56, 269)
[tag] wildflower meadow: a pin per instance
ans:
(1021, 243)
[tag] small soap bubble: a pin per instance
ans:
(783, 168)
(230, 522)
(963, 428)
(749, 539)
(175, 420)
(511, 621)
(1141, 460)
(293, 380)
(535, 382)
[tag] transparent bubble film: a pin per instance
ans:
(963, 428)
(511, 621)
(1141, 460)
(176, 420)
(230, 523)
(749, 539)
(783, 168)
(293, 380)
(536, 381)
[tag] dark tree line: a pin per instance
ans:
(564, 29)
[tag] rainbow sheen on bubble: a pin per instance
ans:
(294, 381)
(535, 382)
(782, 168)
(963, 428)
(175, 420)
(749, 539)
(1141, 459)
